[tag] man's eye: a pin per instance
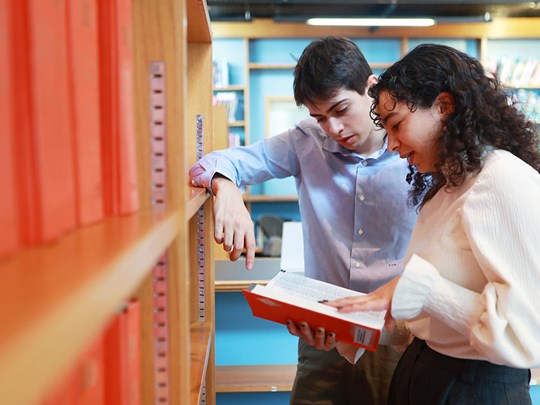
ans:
(319, 120)
(343, 110)
(396, 126)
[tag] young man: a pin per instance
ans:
(353, 204)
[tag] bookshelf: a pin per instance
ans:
(57, 296)
(255, 61)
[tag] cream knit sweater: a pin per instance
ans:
(471, 284)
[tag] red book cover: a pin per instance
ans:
(10, 237)
(292, 296)
(67, 393)
(118, 134)
(49, 155)
(85, 99)
(123, 357)
(133, 353)
(85, 382)
(92, 374)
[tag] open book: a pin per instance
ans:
(299, 298)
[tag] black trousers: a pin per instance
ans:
(426, 377)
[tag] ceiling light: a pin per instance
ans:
(373, 22)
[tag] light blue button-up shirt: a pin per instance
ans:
(355, 218)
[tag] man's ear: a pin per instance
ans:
(445, 103)
(371, 81)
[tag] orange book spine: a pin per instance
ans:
(133, 352)
(85, 99)
(49, 157)
(10, 237)
(85, 382)
(118, 134)
(123, 358)
(92, 375)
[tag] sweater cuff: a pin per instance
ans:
(413, 289)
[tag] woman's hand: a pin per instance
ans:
(378, 300)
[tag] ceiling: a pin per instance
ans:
(300, 10)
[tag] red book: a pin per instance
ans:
(292, 296)
(91, 371)
(85, 99)
(117, 109)
(48, 154)
(123, 357)
(85, 383)
(10, 237)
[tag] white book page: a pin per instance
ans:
(306, 292)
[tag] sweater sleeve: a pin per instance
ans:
(502, 223)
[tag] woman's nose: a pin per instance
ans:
(392, 143)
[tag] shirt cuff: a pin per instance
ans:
(351, 353)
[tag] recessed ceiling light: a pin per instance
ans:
(373, 22)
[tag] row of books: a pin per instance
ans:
(234, 140)
(529, 103)
(231, 100)
(67, 153)
(517, 72)
(108, 372)
(220, 73)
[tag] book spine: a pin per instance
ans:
(84, 86)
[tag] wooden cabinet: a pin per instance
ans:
(56, 297)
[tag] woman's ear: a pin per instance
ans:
(445, 103)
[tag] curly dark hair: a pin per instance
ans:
(328, 65)
(484, 116)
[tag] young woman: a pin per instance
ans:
(469, 292)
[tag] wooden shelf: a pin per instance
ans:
(236, 285)
(523, 86)
(200, 351)
(198, 28)
(56, 298)
(197, 197)
(230, 88)
(236, 124)
(256, 66)
(267, 28)
(256, 378)
(270, 198)
(380, 65)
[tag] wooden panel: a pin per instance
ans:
(198, 22)
(201, 333)
(266, 28)
(270, 198)
(56, 298)
(197, 197)
(221, 127)
(256, 378)
(236, 285)
(160, 35)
